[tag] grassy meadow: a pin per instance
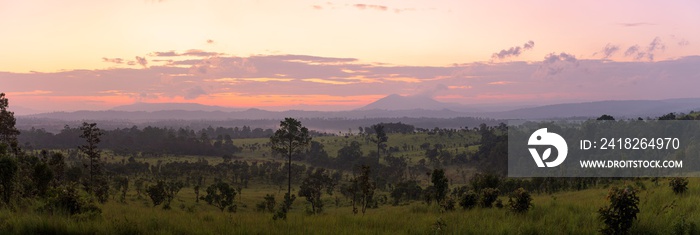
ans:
(565, 212)
(661, 212)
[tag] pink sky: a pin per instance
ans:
(333, 55)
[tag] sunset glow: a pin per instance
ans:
(339, 55)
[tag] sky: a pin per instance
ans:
(340, 55)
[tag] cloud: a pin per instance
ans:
(500, 83)
(317, 7)
(552, 58)
(194, 93)
(209, 41)
(609, 50)
(655, 46)
(370, 6)
(635, 24)
(164, 54)
(554, 64)
(199, 79)
(142, 61)
(190, 52)
(513, 51)
(113, 60)
(195, 52)
(24, 93)
(632, 50)
(683, 42)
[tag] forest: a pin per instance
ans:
(384, 178)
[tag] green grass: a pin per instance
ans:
(560, 213)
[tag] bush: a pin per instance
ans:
(679, 185)
(622, 211)
(448, 204)
(520, 201)
(469, 200)
(67, 200)
(488, 197)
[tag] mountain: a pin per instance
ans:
(393, 106)
(152, 107)
(19, 110)
(616, 108)
(399, 102)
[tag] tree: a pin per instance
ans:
(520, 201)
(291, 138)
(157, 193)
(348, 155)
(440, 183)
(679, 185)
(42, 177)
(380, 138)
(366, 187)
(91, 133)
(220, 195)
(8, 131)
(171, 189)
(606, 117)
(312, 188)
(8, 173)
(622, 211)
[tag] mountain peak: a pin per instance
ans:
(399, 102)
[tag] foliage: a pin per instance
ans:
(488, 197)
(409, 190)
(679, 185)
(121, 184)
(380, 138)
(283, 209)
(520, 201)
(8, 173)
(91, 133)
(469, 200)
(8, 131)
(606, 117)
(67, 199)
(312, 188)
(440, 183)
(42, 176)
(220, 195)
(621, 213)
(157, 193)
(268, 204)
(366, 187)
(290, 139)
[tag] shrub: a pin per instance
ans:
(488, 197)
(679, 185)
(469, 200)
(520, 201)
(67, 200)
(448, 204)
(621, 213)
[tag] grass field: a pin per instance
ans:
(559, 213)
(568, 212)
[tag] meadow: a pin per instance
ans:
(563, 211)
(661, 212)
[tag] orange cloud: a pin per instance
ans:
(25, 93)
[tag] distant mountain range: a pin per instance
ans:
(171, 106)
(392, 106)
